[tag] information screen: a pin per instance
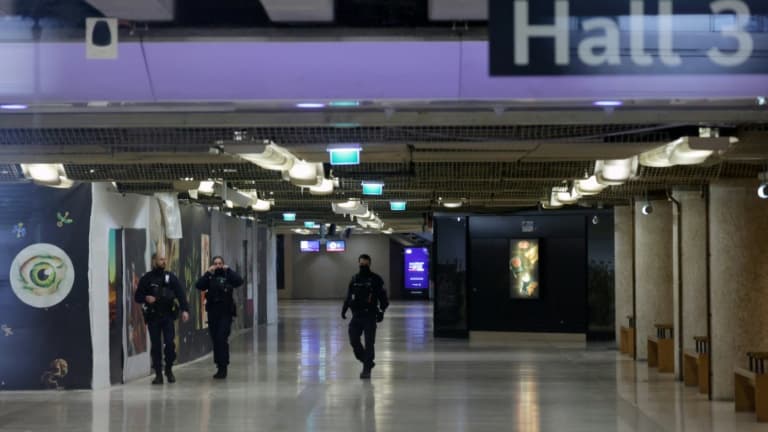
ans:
(310, 246)
(336, 246)
(416, 268)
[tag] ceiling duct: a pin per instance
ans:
(136, 10)
(458, 10)
(299, 10)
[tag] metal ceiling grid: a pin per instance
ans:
(168, 172)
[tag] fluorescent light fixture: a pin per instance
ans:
(13, 107)
(324, 188)
(304, 173)
(373, 188)
(310, 105)
(345, 156)
(657, 158)
(615, 172)
(388, 231)
(397, 205)
(302, 231)
(273, 158)
(229, 203)
(681, 153)
(608, 103)
(260, 205)
(289, 217)
(52, 175)
(310, 224)
(344, 104)
(588, 187)
(452, 204)
(206, 187)
(567, 196)
(345, 125)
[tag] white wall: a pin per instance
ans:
(324, 275)
(110, 210)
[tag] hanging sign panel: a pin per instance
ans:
(586, 37)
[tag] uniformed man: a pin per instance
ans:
(162, 296)
(219, 283)
(368, 301)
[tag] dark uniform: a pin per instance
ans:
(368, 301)
(161, 314)
(220, 305)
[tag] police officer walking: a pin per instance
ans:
(368, 301)
(219, 283)
(162, 295)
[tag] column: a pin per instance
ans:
(738, 229)
(653, 271)
(622, 240)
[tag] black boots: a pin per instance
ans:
(158, 377)
(169, 374)
(366, 373)
(221, 373)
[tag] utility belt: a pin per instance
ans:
(164, 307)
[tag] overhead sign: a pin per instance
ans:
(582, 37)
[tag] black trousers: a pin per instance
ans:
(220, 326)
(363, 326)
(162, 332)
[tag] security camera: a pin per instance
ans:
(647, 209)
(762, 191)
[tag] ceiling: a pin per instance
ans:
(492, 160)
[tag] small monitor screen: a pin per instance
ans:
(336, 246)
(416, 268)
(310, 246)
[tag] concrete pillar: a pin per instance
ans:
(738, 229)
(622, 239)
(693, 269)
(653, 271)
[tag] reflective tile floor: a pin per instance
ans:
(300, 375)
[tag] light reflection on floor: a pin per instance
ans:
(301, 375)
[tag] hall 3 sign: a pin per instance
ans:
(562, 37)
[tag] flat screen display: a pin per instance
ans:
(310, 246)
(336, 246)
(416, 268)
(524, 269)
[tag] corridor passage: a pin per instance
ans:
(301, 375)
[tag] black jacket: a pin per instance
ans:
(218, 287)
(379, 298)
(165, 287)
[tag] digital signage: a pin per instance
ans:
(310, 246)
(416, 268)
(336, 246)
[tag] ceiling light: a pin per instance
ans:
(397, 205)
(761, 101)
(206, 187)
(324, 188)
(302, 231)
(373, 188)
(453, 204)
(589, 187)
(13, 107)
(273, 158)
(608, 103)
(614, 172)
(656, 158)
(681, 153)
(304, 173)
(289, 217)
(260, 205)
(567, 195)
(553, 202)
(229, 203)
(310, 105)
(344, 104)
(345, 155)
(52, 175)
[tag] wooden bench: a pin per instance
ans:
(751, 386)
(696, 365)
(627, 338)
(661, 349)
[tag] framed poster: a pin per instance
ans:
(524, 280)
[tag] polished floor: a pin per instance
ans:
(300, 375)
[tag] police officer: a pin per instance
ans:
(162, 295)
(368, 301)
(219, 283)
